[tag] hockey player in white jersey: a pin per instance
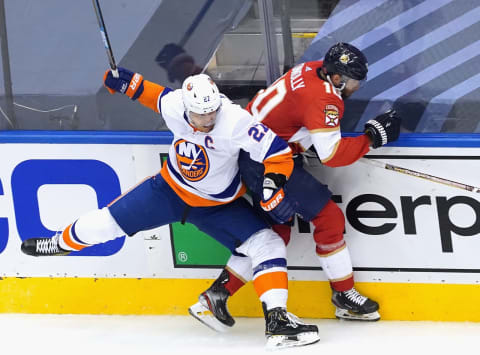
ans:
(200, 183)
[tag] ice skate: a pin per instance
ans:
(211, 308)
(43, 246)
(285, 330)
(351, 305)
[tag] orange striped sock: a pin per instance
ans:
(69, 239)
(270, 280)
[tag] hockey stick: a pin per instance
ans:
(418, 174)
(106, 41)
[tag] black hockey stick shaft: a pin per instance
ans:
(106, 40)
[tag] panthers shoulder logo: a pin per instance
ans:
(192, 160)
(331, 115)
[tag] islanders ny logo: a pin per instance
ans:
(192, 160)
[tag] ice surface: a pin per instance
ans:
(138, 335)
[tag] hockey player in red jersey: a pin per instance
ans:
(305, 107)
(200, 183)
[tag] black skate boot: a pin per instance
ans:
(285, 330)
(43, 246)
(352, 305)
(211, 308)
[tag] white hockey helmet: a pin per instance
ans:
(200, 94)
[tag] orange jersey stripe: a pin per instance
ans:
(68, 239)
(150, 94)
(270, 280)
(192, 199)
(279, 164)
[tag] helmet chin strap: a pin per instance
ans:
(187, 114)
(340, 89)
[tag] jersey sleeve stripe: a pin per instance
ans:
(164, 92)
(150, 94)
(279, 164)
(324, 130)
(326, 144)
(350, 149)
(332, 154)
(278, 145)
(286, 150)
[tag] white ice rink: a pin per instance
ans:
(138, 335)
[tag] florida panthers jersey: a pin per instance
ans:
(303, 109)
(202, 168)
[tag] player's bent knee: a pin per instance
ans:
(97, 227)
(262, 246)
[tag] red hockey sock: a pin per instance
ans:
(233, 283)
(343, 285)
(284, 231)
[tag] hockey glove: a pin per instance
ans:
(384, 128)
(128, 83)
(273, 201)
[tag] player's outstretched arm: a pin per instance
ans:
(134, 86)
(383, 129)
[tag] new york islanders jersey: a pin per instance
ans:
(202, 168)
(305, 110)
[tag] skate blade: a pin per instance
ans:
(277, 342)
(348, 315)
(205, 316)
